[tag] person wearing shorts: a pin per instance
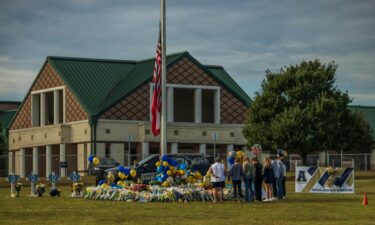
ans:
(217, 171)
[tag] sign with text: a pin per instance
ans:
(311, 179)
(63, 164)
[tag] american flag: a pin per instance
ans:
(156, 97)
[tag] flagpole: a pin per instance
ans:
(163, 141)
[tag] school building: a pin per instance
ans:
(79, 106)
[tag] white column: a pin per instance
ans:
(229, 149)
(56, 111)
(62, 159)
(198, 105)
(35, 160)
(217, 106)
(145, 149)
(22, 163)
(42, 109)
(202, 149)
(170, 104)
(35, 110)
(174, 148)
(48, 160)
(10, 163)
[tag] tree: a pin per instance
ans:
(300, 109)
(3, 148)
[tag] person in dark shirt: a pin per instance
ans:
(236, 173)
(268, 178)
(258, 178)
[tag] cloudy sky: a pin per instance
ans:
(245, 36)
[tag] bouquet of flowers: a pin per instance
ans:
(18, 189)
(77, 190)
(40, 189)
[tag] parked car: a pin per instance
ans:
(105, 163)
(146, 169)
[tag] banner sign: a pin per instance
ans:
(311, 179)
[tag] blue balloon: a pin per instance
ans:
(121, 169)
(165, 158)
(231, 160)
(159, 169)
(183, 166)
(174, 163)
(158, 178)
(126, 171)
(90, 158)
(101, 182)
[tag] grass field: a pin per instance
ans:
(297, 209)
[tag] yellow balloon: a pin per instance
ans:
(181, 172)
(169, 172)
(104, 185)
(198, 175)
(120, 183)
(165, 163)
(165, 184)
(133, 173)
(121, 175)
(158, 163)
(240, 154)
(96, 160)
(171, 168)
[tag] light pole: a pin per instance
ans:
(129, 153)
(214, 138)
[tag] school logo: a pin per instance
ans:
(301, 177)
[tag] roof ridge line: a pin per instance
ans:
(168, 55)
(90, 59)
(216, 66)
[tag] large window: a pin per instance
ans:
(47, 107)
(208, 106)
(183, 105)
(191, 103)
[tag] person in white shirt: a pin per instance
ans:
(217, 171)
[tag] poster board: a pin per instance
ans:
(312, 179)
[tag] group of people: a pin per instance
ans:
(253, 174)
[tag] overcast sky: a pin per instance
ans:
(246, 37)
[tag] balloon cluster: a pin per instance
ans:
(124, 173)
(94, 160)
(257, 149)
(233, 154)
(170, 172)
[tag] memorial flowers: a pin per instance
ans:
(18, 189)
(40, 189)
(77, 190)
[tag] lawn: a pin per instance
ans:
(297, 209)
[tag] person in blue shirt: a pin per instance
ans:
(236, 173)
(279, 173)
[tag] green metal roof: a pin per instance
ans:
(227, 81)
(98, 84)
(6, 118)
(368, 113)
(91, 80)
